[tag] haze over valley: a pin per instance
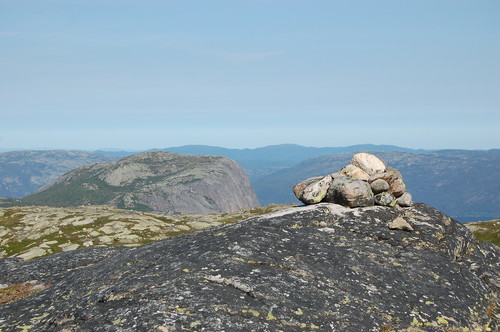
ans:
(453, 181)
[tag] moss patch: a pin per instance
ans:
(16, 292)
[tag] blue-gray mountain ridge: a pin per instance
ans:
(461, 183)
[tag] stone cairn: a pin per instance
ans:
(366, 181)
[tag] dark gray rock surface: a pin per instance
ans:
(316, 268)
(54, 268)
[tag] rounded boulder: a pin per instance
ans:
(349, 192)
(369, 163)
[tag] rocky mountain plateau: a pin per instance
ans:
(348, 260)
(321, 267)
(153, 181)
(29, 232)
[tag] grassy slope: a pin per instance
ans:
(486, 231)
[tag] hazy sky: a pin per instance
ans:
(89, 74)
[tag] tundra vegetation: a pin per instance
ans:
(36, 231)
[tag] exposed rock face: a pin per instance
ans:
(154, 181)
(320, 267)
(364, 182)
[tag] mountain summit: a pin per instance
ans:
(321, 267)
(154, 181)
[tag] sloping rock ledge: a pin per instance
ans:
(322, 267)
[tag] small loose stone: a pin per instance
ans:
(400, 224)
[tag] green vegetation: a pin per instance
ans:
(86, 191)
(11, 217)
(486, 231)
(59, 229)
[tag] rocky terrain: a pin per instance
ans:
(36, 231)
(365, 181)
(343, 264)
(463, 184)
(321, 267)
(154, 181)
(453, 181)
(23, 172)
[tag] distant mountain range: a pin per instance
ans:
(23, 172)
(462, 183)
(262, 161)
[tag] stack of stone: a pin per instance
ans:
(366, 181)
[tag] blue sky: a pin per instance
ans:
(247, 73)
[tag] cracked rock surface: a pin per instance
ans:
(321, 267)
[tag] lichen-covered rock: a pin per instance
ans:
(385, 199)
(313, 190)
(369, 163)
(62, 229)
(283, 271)
(349, 192)
(355, 172)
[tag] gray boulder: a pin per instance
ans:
(394, 178)
(365, 181)
(379, 186)
(355, 172)
(389, 175)
(405, 200)
(313, 190)
(349, 192)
